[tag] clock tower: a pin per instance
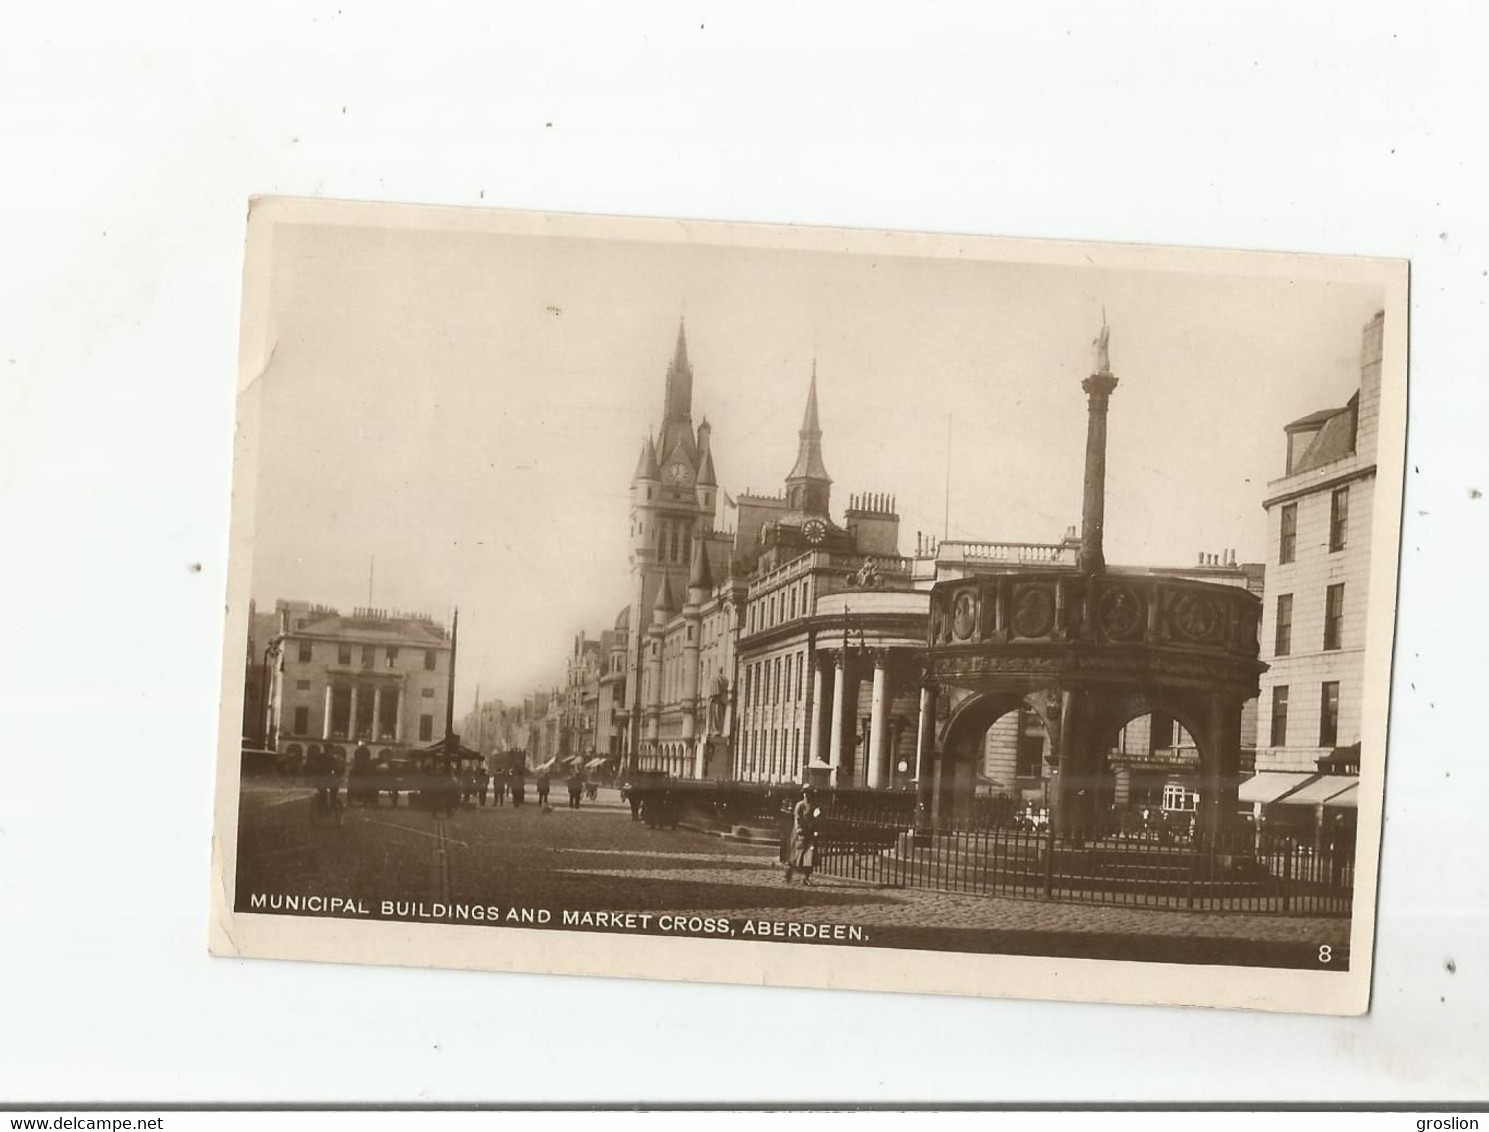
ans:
(674, 494)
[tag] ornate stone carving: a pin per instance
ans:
(1034, 611)
(1197, 617)
(1120, 614)
(964, 614)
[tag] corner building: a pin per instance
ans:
(1319, 515)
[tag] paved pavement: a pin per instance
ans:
(596, 858)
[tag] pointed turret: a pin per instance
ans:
(666, 604)
(808, 484)
(646, 465)
(700, 580)
(707, 477)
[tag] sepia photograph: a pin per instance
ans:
(797, 606)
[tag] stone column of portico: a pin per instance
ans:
(377, 712)
(839, 695)
(398, 717)
(326, 722)
(814, 754)
(878, 755)
(351, 719)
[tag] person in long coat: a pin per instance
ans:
(801, 852)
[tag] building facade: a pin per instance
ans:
(1318, 570)
(373, 677)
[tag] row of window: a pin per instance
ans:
(304, 686)
(302, 726)
(1282, 643)
(770, 681)
(781, 606)
(771, 755)
(1328, 716)
(1287, 539)
(369, 655)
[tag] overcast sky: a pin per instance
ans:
(466, 409)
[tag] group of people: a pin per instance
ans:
(513, 782)
(574, 782)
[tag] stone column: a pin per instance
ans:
(878, 756)
(398, 716)
(326, 722)
(1070, 790)
(814, 733)
(351, 719)
(377, 712)
(839, 695)
(1220, 767)
(1098, 387)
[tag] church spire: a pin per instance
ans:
(679, 406)
(676, 439)
(808, 484)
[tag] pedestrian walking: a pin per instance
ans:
(576, 788)
(801, 853)
(519, 788)
(542, 784)
(633, 796)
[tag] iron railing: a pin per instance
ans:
(1258, 871)
(994, 848)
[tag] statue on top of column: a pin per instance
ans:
(1103, 362)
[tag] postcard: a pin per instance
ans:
(674, 599)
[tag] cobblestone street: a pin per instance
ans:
(596, 858)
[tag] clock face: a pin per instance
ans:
(815, 530)
(677, 473)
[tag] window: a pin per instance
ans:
(1176, 797)
(1030, 753)
(426, 728)
(369, 656)
(1283, 644)
(302, 720)
(302, 685)
(1334, 617)
(1287, 543)
(793, 603)
(343, 654)
(1328, 715)
(1339, 519)
(392, 656)
(1279, 716)
(305, 652)
(430, 658)
(1162, 731)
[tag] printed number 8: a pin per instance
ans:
(1325, 954)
